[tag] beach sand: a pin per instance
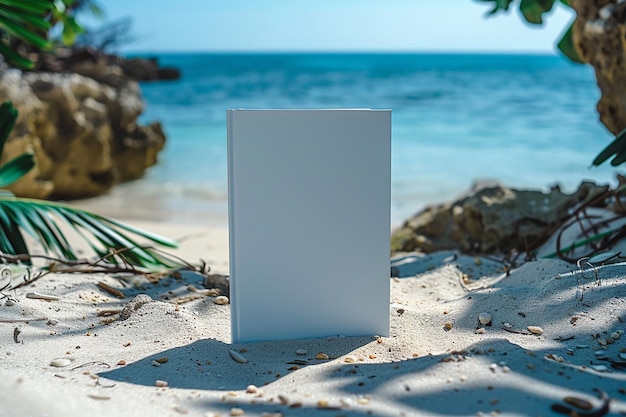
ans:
(438, 360)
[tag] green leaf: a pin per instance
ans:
(8, 116)
(566, 46)
(16, 168)
(36, 21)
(533, 10)
(14, 57)
(618, 145)
(37, 7)
(40, 219)
(498, 5)
(71, 29)
(23, 33)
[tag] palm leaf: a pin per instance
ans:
(16, 168)
(43, 220)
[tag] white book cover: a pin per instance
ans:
(309, 223)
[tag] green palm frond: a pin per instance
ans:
(47, 224)
(26, 20)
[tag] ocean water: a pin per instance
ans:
(526, 120)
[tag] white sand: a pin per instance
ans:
(422, 369)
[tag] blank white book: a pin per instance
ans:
(309, 223)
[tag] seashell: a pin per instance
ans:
(578, 402)
(160, 383)
(221, 300)
(322, 356)
(237, 411)
(38, 296)
(535, 330)
(237, 357)
(484, 318)
(252, 389)
(60, 363)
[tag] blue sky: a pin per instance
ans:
(331, 25)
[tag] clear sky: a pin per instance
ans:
(332, 25)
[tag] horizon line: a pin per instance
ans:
(342, 51)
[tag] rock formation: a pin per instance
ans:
(82, 128)
(599, 35)
(491, 218)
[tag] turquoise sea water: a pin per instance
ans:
(527, 120)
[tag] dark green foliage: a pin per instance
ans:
(533, 12)
(616, 149)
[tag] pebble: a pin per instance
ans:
(302, 352)
(38, 296)
(535, 329)
(346, 401)
(60, 363)
(615, 335)
(349, 359)
(252, 389)
(221, 300)
(237, 411)
(160, 383)
(484, 318)
(363, 400)
(480, 330)
(322, 356)
(448, 325)
(52, 322)
(237, 357)
(9, 303)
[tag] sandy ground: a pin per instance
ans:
(438, 361)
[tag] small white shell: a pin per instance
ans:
(535, 329)
(60, 363)
(221, 300)
(484, 318)
(237, 357)
(160, 383)
(302, 352)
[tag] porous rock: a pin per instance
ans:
(490, 218)
(84, 132)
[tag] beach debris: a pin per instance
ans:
(221, 300)
(134, 305)
(535, 330)
(111, 290)
(302, 352)
(485, 319)
(16, 334)
(237, 357)
(322, 356)
(98, 396)
(60, 362)
(45, 297)
(583, 408)
(160, 383)
(235, 411)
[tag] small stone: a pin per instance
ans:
(506, 369)
(493, 367)
(60, 363)
(284, 400)
(602, 342)
(535, 330)
(121, 362)
(162, 360)
(221, 300)
(448, 325)
(349, 359)
(480, 330)
(302, 352)
(252, 389)
(237, 411)
(52, 322)
(160, 383)
(484, 318)
(237, 357)
(507, 325)
(322, 404)
(9, 302)
(346, 401)
(363, 400)
(322, 356)
(615, 335)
